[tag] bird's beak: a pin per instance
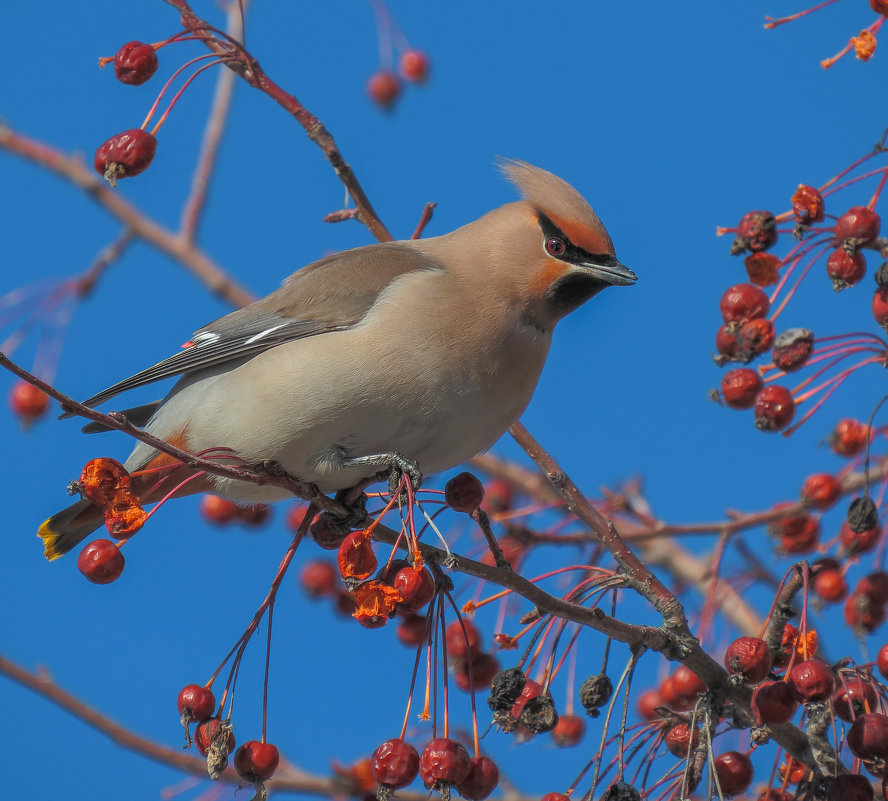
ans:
(611, 272)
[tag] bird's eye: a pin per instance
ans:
(555, 246)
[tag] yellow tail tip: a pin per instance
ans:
(49, 538)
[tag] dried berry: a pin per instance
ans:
(812, 680)
(681, 739)
(135, 63)
(595, 692)
(749, 658)
(856, 696)
(762, 268)
(807, 205)
(868, 736)
(481, 667)
(505, 688)
(756, 231)
(124, 155)
(444, 763)
(539, 714)
(754, 338)
(621, 791)
(792, 348)
(326, 534)
(862, 514)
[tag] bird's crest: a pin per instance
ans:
(561, 203)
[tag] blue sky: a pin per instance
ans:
(670, 119)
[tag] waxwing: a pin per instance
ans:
(415, 354)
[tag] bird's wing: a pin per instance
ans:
(332, 294)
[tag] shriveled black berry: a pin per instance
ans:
(862, 514)
(620, 791)
(595, 692)
(882, 274)
(505, 688)
(539, 714)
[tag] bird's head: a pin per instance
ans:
(566, 254)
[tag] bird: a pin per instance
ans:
(414, 354)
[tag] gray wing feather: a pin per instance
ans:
(332, 294)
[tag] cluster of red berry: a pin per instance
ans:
(748, 331)
(384, 86)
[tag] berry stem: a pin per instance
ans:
(799, 280)
(160, 94)
(426, 640)
(184, 86)
(265, 679)
(475, 740)
(773, 23)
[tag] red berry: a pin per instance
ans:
(213, 732)
(555, 797)
(464, 493)
(497, 496)
(726, 342)
(218, 510)
(880, 7)
(750, 658)
(830, 585)
(417, 587)
(414, 66)
(855, 542)
(855, 697)
(444, 762)
(462, 644)
(101, 562)
(319, 579)
(739, 387)
(411, 630)
(845, 269)
(773, 702)
(296, 515)
(734, 771)
(395, 764)
(743, 302)
(125, 154)
(135, 63)
(355, 556)
(384, 88)
(880, 306)
(682, 738)
(254, 514)
(688, 686)
(868, 736)
(648, 702)
(848, 437)
(807, 205)
(821, 490)
(862, 613)
(882, 661)
(857, 227)
(256, 760)
(798, 534)
(875, 585)
(812, 680)
(668, 696)
(792, 348)
(484, 668)
(569, 730)
(27, 402)
(754, 338)
(774, 408)
(762, 268)
(195, 703)
(757, 230)
(850, 787)
(482, 779)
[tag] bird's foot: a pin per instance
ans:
(394, 465)
(356, 516)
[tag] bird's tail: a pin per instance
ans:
(67, 528)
